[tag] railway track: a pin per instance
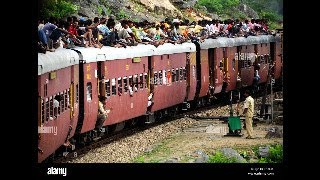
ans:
(128, 131)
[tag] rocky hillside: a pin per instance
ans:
(152, 10)
(157, 10)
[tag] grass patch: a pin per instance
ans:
(218, 157)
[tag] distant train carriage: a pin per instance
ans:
(262, 50)
(168, 75)
(276, 50)
(58, 84)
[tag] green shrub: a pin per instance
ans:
(218, 6)
(220, 158)
(57, 9)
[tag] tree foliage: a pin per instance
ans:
(218, 6)
(57, 8)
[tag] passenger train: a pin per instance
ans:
(179, 76)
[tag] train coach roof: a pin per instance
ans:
(111, 53)
(168, 48)
(59, 59)
(239, 41)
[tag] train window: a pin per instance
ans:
(120, 86)
(221, 64)
(125, 84)
(42, 111)
(145, 80)
(161, 57)
(55, 109)
(113, 87)
(246, 47)
(65, 97)
(168, 78)
(155, 82)
(141, 81)
(160, 77)
(51, 108)
(62, 102)
(184, 73)
(47, 109)
(261, 59)
(181, 74)
(168, 56)
(107, 87)
(89, 91)
(136, 81)
(266, 58)
(260, 45)
(130, 80)
(77, 93)
(266, 44)
(45, 90)
(59, 107)
(164, 78)
(173, 75)
(233, 64)
(177, 74)
(68, 99)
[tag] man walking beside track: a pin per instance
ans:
(248, 112)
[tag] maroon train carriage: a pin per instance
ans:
(231, 60)
(214, 54)
(111, 72)
(172, 75)
(58, 99)
(276, 47)
(262, 50)
(124, 74)
(223, 66)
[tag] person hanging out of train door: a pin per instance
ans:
(102, 113)
(256, 79)
(150, 103)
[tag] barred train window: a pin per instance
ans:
(181, 74)
(130, 81)
(68, 100)
(47, 109)
(89, 91)
(160, 77)
(51, 106)
(177, 74)
(65, 100)
(62, 102)
(77, 93)
(125, 84)
(173, 74)
(42, 111)
(120, 84)
(136, 81)
(145, 80)
(113, 86)
(59, 109)
(184, 73)
(108, 87)
(155, 82)
(141, 81)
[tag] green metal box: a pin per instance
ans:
(234, 123)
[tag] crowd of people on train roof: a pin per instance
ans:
(107, 31)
